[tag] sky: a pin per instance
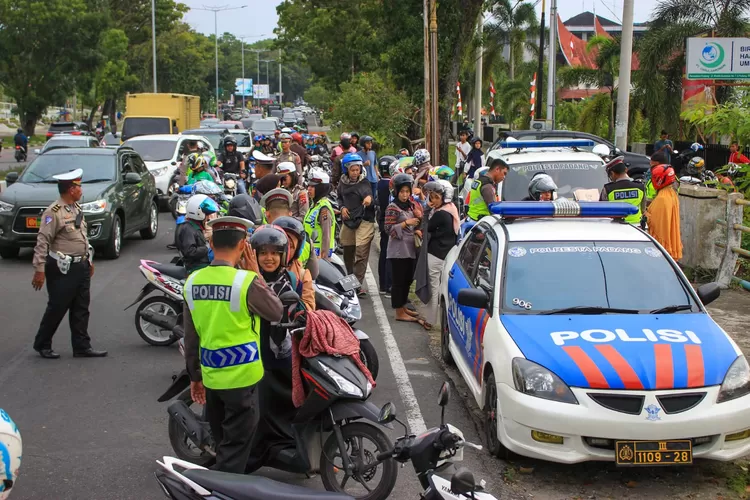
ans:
(259, 17)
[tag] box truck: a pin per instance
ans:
(147, 114)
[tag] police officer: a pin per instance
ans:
(222, 342)
(623, 188)
(484, 190)
(320, 222)
(63, 256)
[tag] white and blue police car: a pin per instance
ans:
(581, 339)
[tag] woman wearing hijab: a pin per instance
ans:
(475, 160)
(402, 220)
(441, 233)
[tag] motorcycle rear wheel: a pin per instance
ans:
(182, 446)
(161, 305)
(332, 473)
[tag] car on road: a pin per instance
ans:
(578, 173)
(264, 127)
(74, 128)
(637, 163)
(244, 141)
(227, 124)
(119, 198)
(212, 135)
(251, 118)
(208, 122)
(111, 139)
(68, 141)
(162, 154)
(289, 119)
(581, 339)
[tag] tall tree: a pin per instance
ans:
(513, 26)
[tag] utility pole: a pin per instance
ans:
(257, 57)
(427, 107)
(540, 68)
(242, 41)
(268, 82)
(216, 11)
(623, 94)
(551, 65)
(478, 77)
(434, 97)
(153, 38)
(280, 98)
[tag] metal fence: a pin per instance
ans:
(733, 246)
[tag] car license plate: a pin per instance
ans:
(654, 452)
(33, 222)
(349, 282)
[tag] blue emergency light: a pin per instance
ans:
(553, 143)
(563, 208)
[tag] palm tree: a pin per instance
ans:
(662, 50)
(514, 24)
(607, 63)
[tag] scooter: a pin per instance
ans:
(432, 452)
(329, 421)
(20, 153)
(156, 316)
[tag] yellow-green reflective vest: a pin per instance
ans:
(477, 206)
(628, 192)
(229, 333)
(315, 231)
(304, 256)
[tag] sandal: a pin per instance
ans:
(424, 324)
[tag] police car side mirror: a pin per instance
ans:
(463, 482)
(708, 293)
(473, 297)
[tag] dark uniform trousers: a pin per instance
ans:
(233, 416)
(68, 293)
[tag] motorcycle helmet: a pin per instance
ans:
(662, 176)
(273, 238)
(10, 461)
(541, 183)
(348, 160)
(230, 139)
(696, 163)
(287, 130)
(19, 131)
(384, 164)
(444, 172)
(480, 172)
(297, 137)
(366, 138)
(199, 207)
(406, 163)
(399, 181)
(696, 147)
(441, 187)
(195, 162)
(345, 136)
(258, 138)
(295, 227)
(421, 156)
(246, 207)
(208, 188)
(395, 167)
(352, 135)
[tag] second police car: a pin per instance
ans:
(581, 339)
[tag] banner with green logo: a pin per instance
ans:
(718, 59)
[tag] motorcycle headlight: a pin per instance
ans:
(94, 207)
(535, 380)
(159, 171)
(6, 207)
(333, 297)
(229, 184)
(736, 382)
(343, 384)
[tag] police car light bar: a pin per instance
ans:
(563, 208)
(561, 143)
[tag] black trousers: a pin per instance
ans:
(233, 416)
(403, 274)
(384, 266)
(68, 293)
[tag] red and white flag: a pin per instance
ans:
(459, 106)
(533, 96)
(492, 98)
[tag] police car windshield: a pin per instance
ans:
(563, 274)
(571, 178)
(45, 166)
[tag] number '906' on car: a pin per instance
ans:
(581, 339)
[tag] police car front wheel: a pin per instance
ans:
(491, 419)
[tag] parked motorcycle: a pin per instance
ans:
(156, 316)
(432, 452)
(20, 153)
(327, 434)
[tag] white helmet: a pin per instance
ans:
(287, 130)
(421, 156)
(601, 150)
(11, 450)
(442, 187)
(286, 167)
(319, 176)
(199, 207)
(480, 172)
(448, 195)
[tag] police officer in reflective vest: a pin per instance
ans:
(320, 222)
(624, 189)
(222, 342)
(484, 190)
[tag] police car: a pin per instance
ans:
(578, 173)
(581, 339)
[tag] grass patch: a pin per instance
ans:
(18, 169)
(738, 480)
(34, 140)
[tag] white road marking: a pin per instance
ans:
(413, 413)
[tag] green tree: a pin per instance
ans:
(44, 48)
(318, 96)
(113, 78)
(513, 27)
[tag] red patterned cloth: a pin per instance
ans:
(326, 333)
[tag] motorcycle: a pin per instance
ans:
(156, 317)
(313, 436)
(432, 452)
(20, 153)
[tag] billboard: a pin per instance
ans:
(261, 91)
(718, 58)
(243, 87)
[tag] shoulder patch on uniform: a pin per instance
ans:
(55, 208)
(48, 219)
(475, 184)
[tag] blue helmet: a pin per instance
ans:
(350, 159)
(257, 138)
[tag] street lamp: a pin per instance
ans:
(153, 38)
(268, 61)
(242, 41)
(216, 11)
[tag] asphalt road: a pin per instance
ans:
(92, 428)
(7, 159)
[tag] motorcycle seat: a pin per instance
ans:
(242, 487)
(176, 272)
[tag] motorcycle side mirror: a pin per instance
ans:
(443, 397)
(387, 413)
(289, 298)
(463, 483)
